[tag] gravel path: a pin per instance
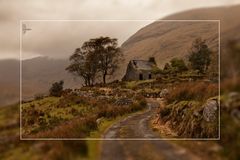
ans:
(137, 126)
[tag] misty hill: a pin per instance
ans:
(165, 40)
(37, 76)
(9, 81)
(43, 72)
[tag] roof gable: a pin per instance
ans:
(142, 64)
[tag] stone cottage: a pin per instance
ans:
(139, 70)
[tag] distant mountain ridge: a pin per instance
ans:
(37, 76)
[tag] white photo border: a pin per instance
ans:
(120, 139)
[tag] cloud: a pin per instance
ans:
(60, 38)
(57, 41)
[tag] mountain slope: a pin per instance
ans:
(39, 73)
(165, 40)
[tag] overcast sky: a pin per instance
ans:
(59, 39)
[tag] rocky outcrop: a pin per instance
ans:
(210, 110)
(191, 119)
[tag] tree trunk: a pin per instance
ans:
(85, 82)
(88, 82)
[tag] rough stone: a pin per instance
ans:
(210, 110)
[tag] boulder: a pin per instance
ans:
(210, 109)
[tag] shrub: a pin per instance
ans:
(165, 112)
(167, 66)
(156, 70)
(152, 60)
(192, 91)
(56, 89)
(178, 65)
(76, 128)
(111, 111)
(186, 119)
(199, 55)
(135, 107)
(142, 103)
(72, 99)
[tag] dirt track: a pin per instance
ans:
(137, 126)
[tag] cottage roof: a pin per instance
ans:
(142, 64)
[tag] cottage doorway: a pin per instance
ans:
(149, 76)
(140, 76)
